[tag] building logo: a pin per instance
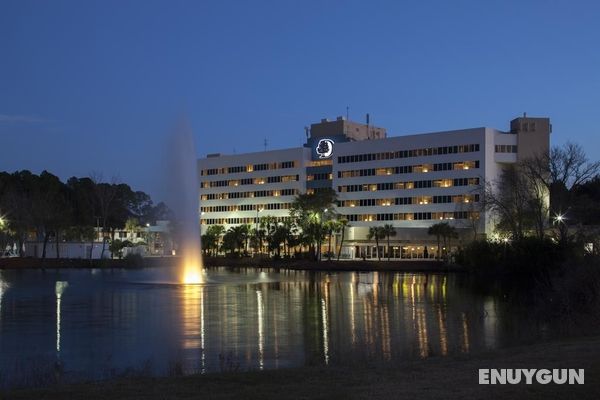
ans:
(324, 148)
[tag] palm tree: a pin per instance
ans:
(310, 211)
(449, 233)
(245, 233)
(389, 231)
(290, 236)
(210, 239)
(376, 232)
(257, 237)
(331, 226)
(343, 225)
(437, 230)
(132, 227)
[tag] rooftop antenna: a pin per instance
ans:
(347, 113)
(368, 120)
(306, 131)
(265, 144)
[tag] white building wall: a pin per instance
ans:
(490, 163)
(451, 138)
(299, 155)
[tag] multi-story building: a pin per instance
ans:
(410, 182)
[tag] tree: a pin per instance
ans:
(472, 206)
(437, 230)
(562, 172)
(210, 239)
(343, 225)
(104, 195)
(132, 225)
(389, 231)
(448, 233)
(257, 236)
(277, 238)
(234, 239)
(116, 247)
(331, 226)
(84, 206)
(510, 200)
(309, 212)
(377, 233)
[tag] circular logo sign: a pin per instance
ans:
(324, 148)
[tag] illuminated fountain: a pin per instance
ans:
(183, 183)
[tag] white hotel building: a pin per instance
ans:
(410, 182)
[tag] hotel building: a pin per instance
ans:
(410, 181)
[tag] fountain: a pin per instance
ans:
(183, 185)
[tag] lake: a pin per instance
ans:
(95, 324)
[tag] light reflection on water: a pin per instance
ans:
(113, 319)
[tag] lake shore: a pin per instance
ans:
(454, 377)
(246, 262)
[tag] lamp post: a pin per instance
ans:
(258, 209)
(561, 222)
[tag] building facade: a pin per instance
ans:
(410, 182)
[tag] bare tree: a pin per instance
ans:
(560, 171)
(509, 199)
(472, 204)
(104, 194)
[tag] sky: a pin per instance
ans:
(98, 86)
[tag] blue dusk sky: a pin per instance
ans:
(98, 85)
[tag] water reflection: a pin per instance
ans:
(59, 289)
(261, 330)
(193, 327)
(243, 319)
(3, 288)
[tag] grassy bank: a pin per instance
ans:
(406, 266)
(433, 378)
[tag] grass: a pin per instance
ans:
(434, 378)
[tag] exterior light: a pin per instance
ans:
(559, 218)
(505, 240)
(325, 210)
(148, 224)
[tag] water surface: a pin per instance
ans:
(98, 323)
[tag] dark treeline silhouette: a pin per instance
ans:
(546, 249)
(44, 208)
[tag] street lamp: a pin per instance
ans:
(258, 209)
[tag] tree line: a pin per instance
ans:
(312, 220)
(546, 211)
(548, 194)
(50, 210)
